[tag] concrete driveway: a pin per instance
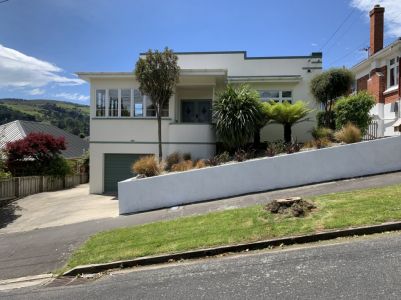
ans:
(58, 208)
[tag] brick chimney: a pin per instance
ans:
(376, 29)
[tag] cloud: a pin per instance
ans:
(313, 45)
(72, 96)
(36, 92)
(392, 16)
(20, 70)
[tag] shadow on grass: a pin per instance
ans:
(8, 213)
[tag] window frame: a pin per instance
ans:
(104, 103)
(280, 97)
(395, 67)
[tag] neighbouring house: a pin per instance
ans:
(16, 130)
(380, 75)
(123, 125)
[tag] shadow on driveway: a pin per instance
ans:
(8, 213)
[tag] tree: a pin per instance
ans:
(157, 74)
(355, 109)
(329, 86)
(287, 114)
(238, 114)
(36, 154)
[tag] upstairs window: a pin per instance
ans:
(138, 104)
(100, 103)
(275, 95)
(151, 109)
(113, 103)
(125, 102)
(393, 72)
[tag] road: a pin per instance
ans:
(44, 250)
(363, 268)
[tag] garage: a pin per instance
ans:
(117, 167)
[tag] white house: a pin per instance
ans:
(379, 74)
(123, 125)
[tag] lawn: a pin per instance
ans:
(340, 210)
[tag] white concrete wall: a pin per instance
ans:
(301, 168)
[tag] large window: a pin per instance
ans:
(113, 103)
(394, 72)
(125, 103)
(275, 95)
(100, 103)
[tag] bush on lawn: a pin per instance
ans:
(147, 166)
(349, 134)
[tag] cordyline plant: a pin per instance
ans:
(238, 114)
(157, 74)
(38, 150)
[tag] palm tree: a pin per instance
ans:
(238, 114)
(286, 114)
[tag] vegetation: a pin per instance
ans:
(349, 134)
(147, 166)
(172, 159)
(334, 211)
(327, 87)
(71, 117)
(157, 74)
(3, 172)
(184, 165)
(355, 109)
(36, 154)
(286, 114)
(322, 133)
(238, 114)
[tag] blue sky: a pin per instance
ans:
(43, 42)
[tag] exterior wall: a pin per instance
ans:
(257, 175)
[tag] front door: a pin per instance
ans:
(196, 111)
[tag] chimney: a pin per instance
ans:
(376, 29)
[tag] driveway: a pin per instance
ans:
(59, 208)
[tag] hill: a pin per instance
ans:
(71, 117)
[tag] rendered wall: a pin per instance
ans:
(365, 158)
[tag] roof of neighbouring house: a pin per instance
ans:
(16, 130)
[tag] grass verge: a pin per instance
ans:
(334, 211)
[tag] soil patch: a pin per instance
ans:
(294, 206)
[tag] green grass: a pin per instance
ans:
(363, 207)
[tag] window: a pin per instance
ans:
(113, 103)
(151, 109)
(138, 104)
(125, 103)
(100, 103)
(275, 95)
(393, 72)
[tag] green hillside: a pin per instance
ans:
(71, 117)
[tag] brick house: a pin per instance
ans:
(379, 74)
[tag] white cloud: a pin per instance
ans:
(36, 92)
(20, 70)
(392, 15)
(72, 96)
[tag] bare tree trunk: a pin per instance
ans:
(287, 133)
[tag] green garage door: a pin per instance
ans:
(117, 167)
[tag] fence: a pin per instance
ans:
(24, 186)
(371, 133)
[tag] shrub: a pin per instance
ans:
(322, 143)
(292, 147)
(238, 115)
(172, 159)
(326, 116)
(322, 133)
(148, 166)
(184, 165)
(355, 109)
(349, 134)
(199, 164)
(58, 167)
(274, 148)
(187, 156)
(219, 159)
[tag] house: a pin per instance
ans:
(380, 75)
(123, 125)
(17, 130)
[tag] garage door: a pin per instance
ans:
(117, 167)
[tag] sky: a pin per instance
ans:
(44, 42)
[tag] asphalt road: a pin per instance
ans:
(357, 269)
(44, 250)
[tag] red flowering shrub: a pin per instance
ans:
(35, 155)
